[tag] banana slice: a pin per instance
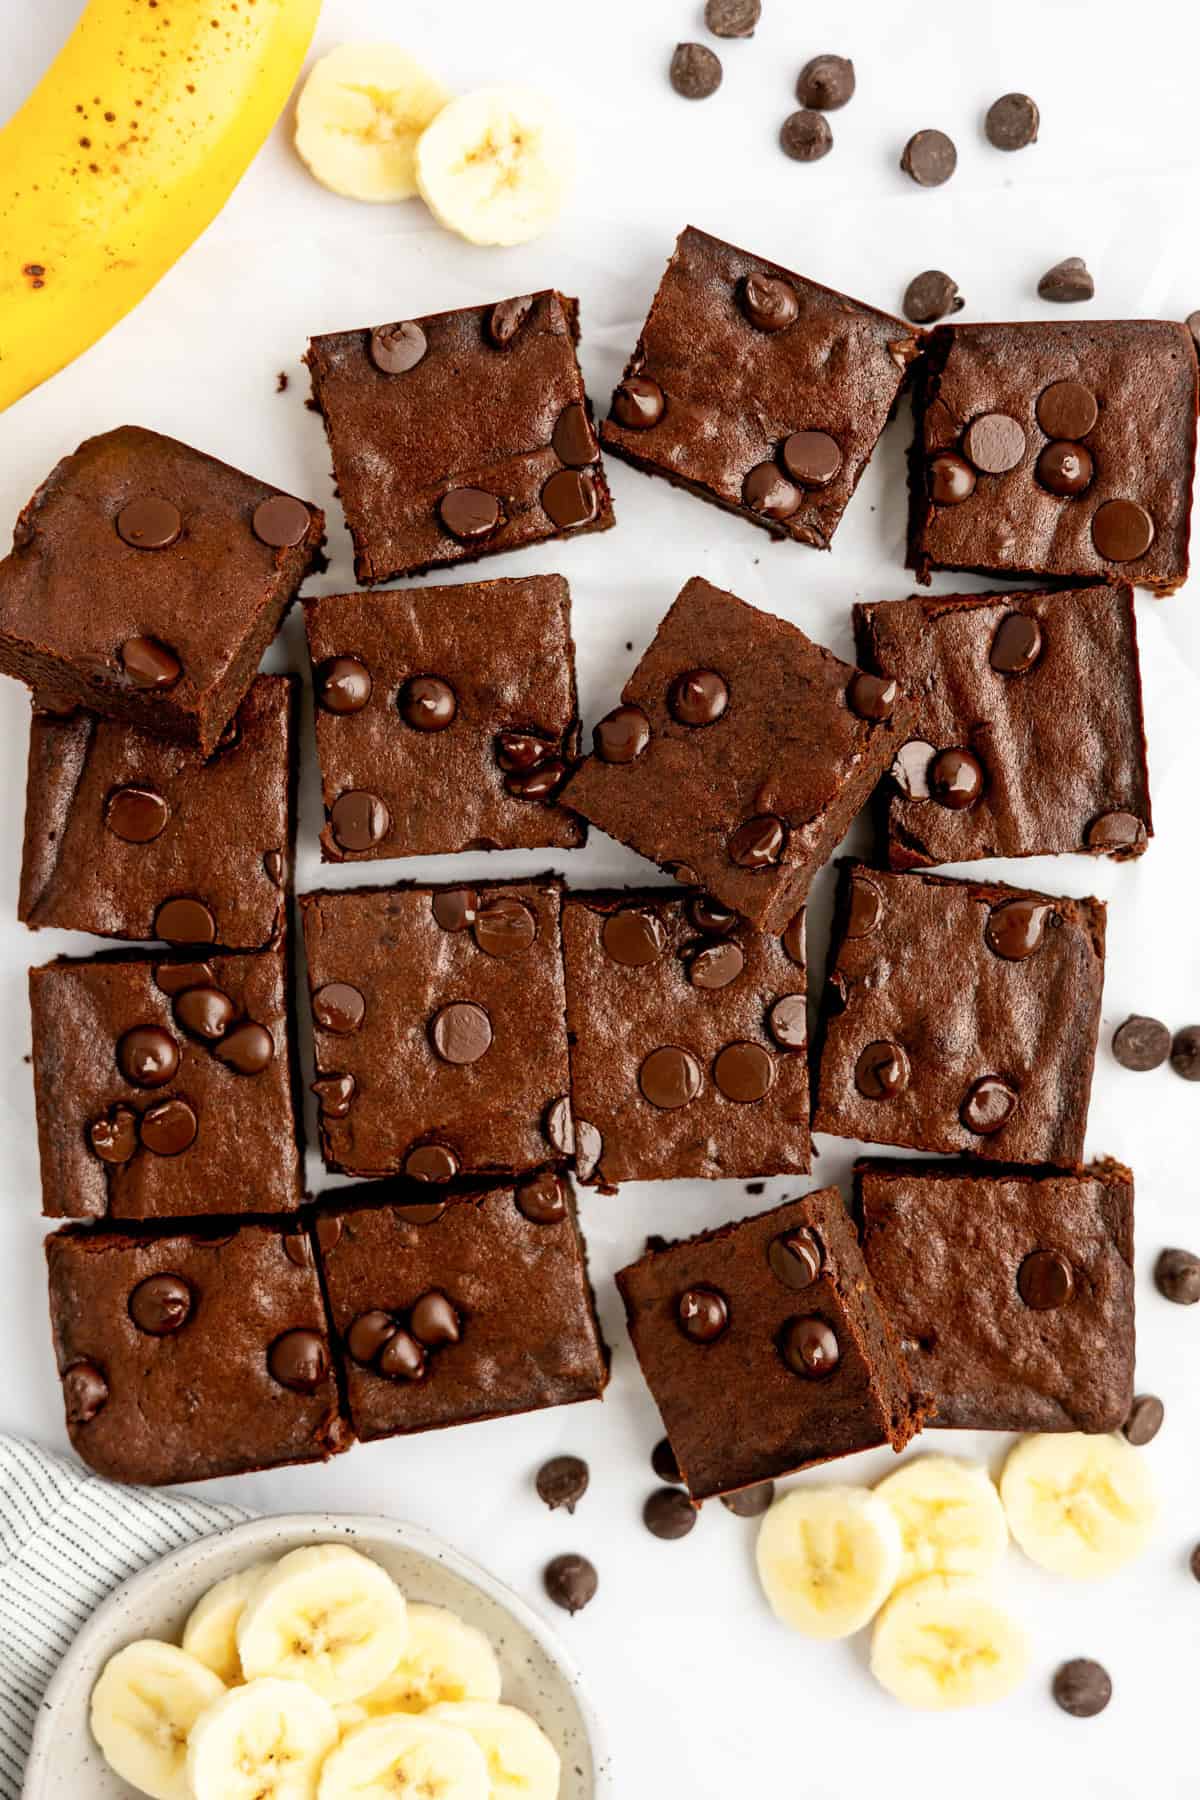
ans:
(942, 1643)
(143, 1707)
(444, 1660)
(264, 1741)
(1078, 1505)
(522, 1763)
(496, 165)
(359, 116)
(949, 1514)
(350, 1715)
(326, 1616)
(211, 1631)
(828, 1558)
(406, 1758)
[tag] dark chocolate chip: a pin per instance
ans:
(434, 1321)
(281, 522)
(1067, 282)
(1012, 122)
(931, 295)
(812, 458)
(589, 1148)
(1065, 469)
(429, 1162)
(1177, 1277)
(559, 1126)
(299, 1360)
(988, 1105)
(169, 1128)
(504, 927)
(1067, 409)
(1145, 1420)
(695, 71)
(670, 1077)
(147, 1056)
(1045, 1280)
(563, 1481)
(750, 1502)
(744, 1072)
(1115, 831)
(343, 685)
(714, 966)
(571, 1582)
(395, 349)
(955, 778)
(769, 303)
(806, 136)
(519, 751)
(136, 815)
(825, 82)
(1185, 1053)
(1016, 929)
(1141, 1043)
(368, 1335)
(427, 703)
(338, 1007)
(881, 1070)
(1082, 1688)
(872, 696)
(274, 867)
(541, 783)
(185, 920)
(622, 735)
(149, 664)
(461, 1033)
(787, 1022)
(732, 18)
(634, 936)
(85, 1392)
(298, 1249)
(710, 916)
(668, 1513)
(994, 443)
(571, 499)
(160, 1305)
(507, 318)
(910, 768)
(335, 1095)
(455, 909)
(468, 513)
(698, 697)
(207, 1012)
(638, 403)
(149, 523)
(665, 1463)
(402, 1358)
(1016, 644)
(864, 908)
(173, 978)
(810, 1347)
(795, 1257)
(951, 479)
(542, 1198)
(248, 1049)
(1122, 530)
(573, 440)
(759, 842)
(114, 1137)
(329, 1232)
(703, 1314)
(930, 158)
(359, 821)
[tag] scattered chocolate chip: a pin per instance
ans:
(930, 158)
(160, 1305)
(248, 1049)
(299, 1360)
(910, 768)
(732, 18)
(864, 908)
(519, 751)
(668, 1513)
(507, 318)
(634, 937)
(1122, 530)
(149, 664)
(338, 1007)
(563, 1481)
(343, 685)
(570, 498)
(750, 1502)
(638, 404)
(665, 1463)
(281, 522)
(670, 1078)
(1016, 644)
(1012, 122)
(708, 915)
(812, 458)
(1193, 324)
(931, 295)
(825, 82)
(1067, 282)
(136, 815)
(955, 778)
(1177, 1277)
(335, 1095)
(695, 71)
(359, 821)
(810, 1347)
(571, 1582)
(85, 1392)
(881, 1070)
(951, 479)
(173, 978)
(1141, 1043)
(542, 1198)
(769, 303)
(806, 136)
(395, 349)
(149, 523)
(703, 1314)
(1082, 1688)
(461, 1033)
(1145, 1419)
(504, 927)
(469, 513)
(184, 920)
(698, 697)
(1185, 1053)
(1045, 1280)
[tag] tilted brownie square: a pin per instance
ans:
(739, 754)
(766, 1349)
(1027, 735)
(165, 1090)
(146, 580)
(441, 1041)
(472, 1309)
(131, 836)
(688, 1035)
(459, 435)
(446, 718)
(1057, 449)
(194, 1355)
(758, 390)
(960, 1016)
(1011, 1289)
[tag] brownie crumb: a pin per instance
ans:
(281, 382)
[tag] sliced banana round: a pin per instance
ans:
(264, 1741)
(1079, 1505)
(950, 1517)
(522, 1763)
(496, 165)
(406, 1757)
(211, 1631)
(828, 1557)
(942, 1642)
(445, 1659)
(143, 1707)
(327, 1616)
(359, 116)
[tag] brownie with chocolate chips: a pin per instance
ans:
(460, 435)
(468, 1307)
(739, 754)
(757, 389)
(146, 580)
(1011, 1289)
(441, 1041)
(688, 1035)
(165, 1090)
(446, 718)
(130, 836)
(766, 1349)
(1027, 734)
(1060, 449)
(960, 1016)
(194, 1355)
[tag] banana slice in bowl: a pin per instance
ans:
(521, 1762)
(211, 1631)
(444, 1660)
(267, 1740)
(406, 1757)
(143, 1709)
(325, 1616)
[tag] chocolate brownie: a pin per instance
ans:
(146, 580)
(688, 1033)
(739, 754)
(441, 1042)
(125, 832)
(1056, 449)
(757, 389)
(1011, 1289)
(165, 1090)
(1027, 731)
(459, 435)
(765, 1347)
(960, 1016)
(446, 718)
(466, 1310)
(194, 1355)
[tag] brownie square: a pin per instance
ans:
(146, 580)
(1056, 449)
(459, 435)
(121, 827)
(765, 1347)
(688, 1033)
(960, 1016)
(1011, 1289)
(446, 718)
(192, 1356)
(739, 754)
(468, 1310)
(757, 389)
(1027, 725)
(165, 1090)
(440, 1037)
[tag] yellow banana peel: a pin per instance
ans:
(128, 147)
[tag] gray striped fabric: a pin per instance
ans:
(66, 1540)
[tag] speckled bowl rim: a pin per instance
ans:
(307, 1527)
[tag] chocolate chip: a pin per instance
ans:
(185, 920)
(1177, 1277)
(1194, 1563)
(274, 867)
(995, 443)
(343, 685)
(864, 908)
(571, 499)
(638, 403)
(461, 1033)
(1012, 122)
(1145, 1420)
(136, 815)
(622, 735)
(173, 978)
(248, 1049)
(1141, 1043)
(433, 1321)
(714, 966)
(335, 1095)
(744, 1072)
(542, 1198)
(872, 696)
(703, 1314)
(931, 295)
(695, 71)
(812, 458)
(758, 843)
(507, 318)
(930, 158)
(750, 1502)
(769, 303)
(1016, 644)
(1122, 530)
(402, 1358)
(634, 937)
(368, 1335)
(795, 1257)
(1067, 409)
(951, 479)
(573, 440)
(147, 1056)
(732, 18)
(698, 697)
(504, 927)
(395, 349)
(427, 703)
(559, 1126)
(810, 1347)
(149, 523)
(708, 915)
(85, 1392)
(281, 522)
(114, 1137)
(571, 1582)
(664, 1462)
(160, 1305)
(670, 1078)
(1185, 1053)
(468, 513)
(519, 751)
(541, 783)
(299, 1360)
(149, 664)
(805, 136)
(207, 1012)
(169, 1128)
(988, 1105)
(455, 909)
(1016, 929)
(1045, 1280)
(1082, 1688)
(825, 82)
(1065, 469)
(955, 778)
(338, 1007)
(1067, 282)
(429, 1162)
(910, 768)
(1115, 831)
(563, 1481)
(359, 821)
(329, 1232)
(668, 1513)
(881, 1070)
(787, 1022)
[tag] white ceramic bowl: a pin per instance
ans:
(64, 1763)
